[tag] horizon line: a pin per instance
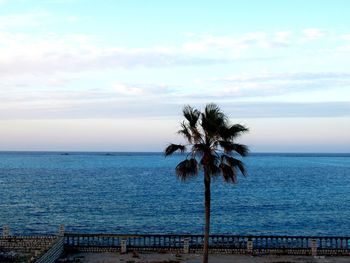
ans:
(100, 151)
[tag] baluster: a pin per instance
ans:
(341, 243)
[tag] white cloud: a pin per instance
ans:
(236, 45)
(289, 76)
(259, 39)
(283, 109)
(23, 19)
(312, 34)
(32, 69)
(51, 53)
(262, 85)
(282, 38)
(232, 44)
(139, 107)
(345, 37)
(128, 91)
(22, 54)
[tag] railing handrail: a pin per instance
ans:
(235, 243)
(74, 234)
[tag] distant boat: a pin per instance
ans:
(64, 153)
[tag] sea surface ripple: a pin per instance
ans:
(291, 194)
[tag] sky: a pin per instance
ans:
(85, 75)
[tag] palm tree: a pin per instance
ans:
(212, 141)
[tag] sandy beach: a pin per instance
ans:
(196, 258)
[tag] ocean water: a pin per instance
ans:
(292, 194)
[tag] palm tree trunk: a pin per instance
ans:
(207, 215)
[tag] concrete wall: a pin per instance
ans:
(28, 247)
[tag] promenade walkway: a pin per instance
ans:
(196, 258)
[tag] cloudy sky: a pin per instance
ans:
(114, 75)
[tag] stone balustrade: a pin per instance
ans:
(255, 245)
(48, 248)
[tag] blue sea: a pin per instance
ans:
(292, 194)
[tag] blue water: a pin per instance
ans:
(294, 194)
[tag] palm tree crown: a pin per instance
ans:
(211, 139)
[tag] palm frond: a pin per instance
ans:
(214, 114)
(230, 147)
(191, 134)
(187, 168)
(234, 163)
(211, 109)
(192, 115)
(173, 148)
(241, 149)
(200, 148)
(228, 173)
(213, 119)
(233, 131)
(214, 169)
(196, 135)
(185, 131)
